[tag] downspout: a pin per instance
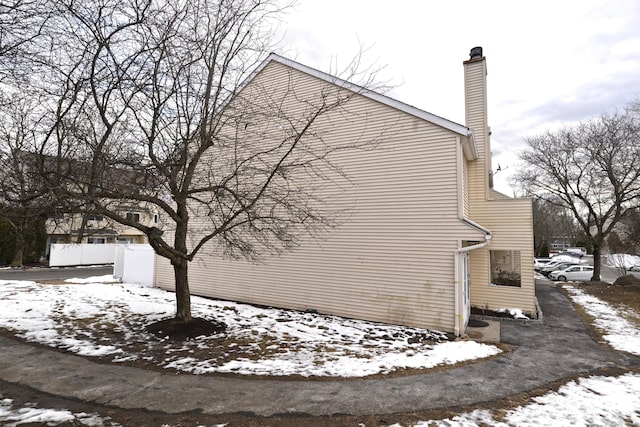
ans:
(457, 315)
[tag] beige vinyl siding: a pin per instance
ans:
(493, 194)
(476, 119)
(392, 258)
(465, 189)
(510, 221)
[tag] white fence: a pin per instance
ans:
(81, 254)
(131, 263)
(134, 264)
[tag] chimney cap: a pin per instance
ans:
(476, 52)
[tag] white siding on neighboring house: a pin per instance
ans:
(392, 259)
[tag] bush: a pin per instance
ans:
(627, 280)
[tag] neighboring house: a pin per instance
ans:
(559, 244)
(65, 227)
(427, 237)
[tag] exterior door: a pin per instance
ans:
(466, 292)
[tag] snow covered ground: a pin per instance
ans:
(592, 401)
(14, 416)
(258, 341)
(620, 333)
(623, 260)
(35, 311)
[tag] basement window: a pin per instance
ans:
(505, 268)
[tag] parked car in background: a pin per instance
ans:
(540, 262)
(577, 250)
(573, 273)
(556, 265)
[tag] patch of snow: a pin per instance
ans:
(107, 278)
(623, 260)
(30, 414)
(593, 401)
(297, 343)
(566, 258)
(620, 333)
(516, 313)
(311, 344)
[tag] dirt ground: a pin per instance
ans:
(623, 296)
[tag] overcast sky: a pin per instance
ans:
(549, 62)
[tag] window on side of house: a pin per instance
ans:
(133, 216)
(96, 240)
(505, 268)
(96, 218)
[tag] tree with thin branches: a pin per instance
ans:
(591, 169)
(549, 222)
(146, 103)
(24, 201)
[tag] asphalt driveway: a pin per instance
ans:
(54, 273)
(560, 347)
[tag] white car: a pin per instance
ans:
(555, 266)
(538, 263)
(573, 273)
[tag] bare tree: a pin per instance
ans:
(551, 221)
(22, 22)
(24, 201)
(630, 231)
(591, 169)
(146, 104)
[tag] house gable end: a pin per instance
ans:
(468, 140)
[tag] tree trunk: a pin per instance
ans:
(181, 264)
(83, 227)
(18, 253)
(596, 262)
(183, 296)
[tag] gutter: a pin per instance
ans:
(458, 319)
(469, 146)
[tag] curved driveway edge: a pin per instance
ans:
(558, 348)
